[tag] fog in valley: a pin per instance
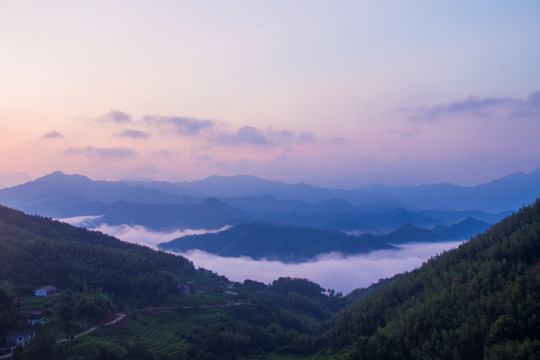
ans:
(331, 271)
(141, 235)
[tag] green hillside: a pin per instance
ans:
(36, 251)
(173, 311)
(480, 301)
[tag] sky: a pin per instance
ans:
(332, 93)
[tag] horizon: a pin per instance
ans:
(337, 95)
(25, 178)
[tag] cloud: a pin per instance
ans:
(115, 116)
(134, 134)
(331, 271)
(339, 140)
(180, 125)
(205, 158)
(117, 152)
(162, 153)
(269, 137)
(306, 137)
(244, 135)
(534, 98)
(52, 135)
(138, 234)
(480, 107)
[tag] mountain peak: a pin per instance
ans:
(59, 175)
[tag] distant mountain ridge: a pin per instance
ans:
(507, 193)
(242, 199)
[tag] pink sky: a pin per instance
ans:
(340, 94)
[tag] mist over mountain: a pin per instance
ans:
(209, 214)
(299, 244)
(284, 243)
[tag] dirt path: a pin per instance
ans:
(118, 318)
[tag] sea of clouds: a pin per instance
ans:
(331, 271)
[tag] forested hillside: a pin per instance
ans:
(478, 301)
(206, 316)
(35, 251)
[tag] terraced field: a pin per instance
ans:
(164, 331)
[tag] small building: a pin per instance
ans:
(35, 317)
(46, 291)
(20, 338)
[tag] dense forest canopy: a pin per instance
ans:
(478, 301)
(36, 251)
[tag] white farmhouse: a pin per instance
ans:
(20, 338)
(46, 291)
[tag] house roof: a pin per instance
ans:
(23, 332)
(48, 288)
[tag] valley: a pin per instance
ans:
(120, 300)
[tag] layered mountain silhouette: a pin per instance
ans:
(243, 199)
(284, 243)
(298, 244)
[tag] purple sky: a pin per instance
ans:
(332, 93)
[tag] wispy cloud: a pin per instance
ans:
(180, 125)
(480, 107)
(257, 137)
(115, 116)
(138, 234)
(117, 152)
(338, 140)
(244, 135)
(132, 133)
(52, 135)
(534, 99)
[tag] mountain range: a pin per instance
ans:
(479, 301)
(241, 199)
(299, 244)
